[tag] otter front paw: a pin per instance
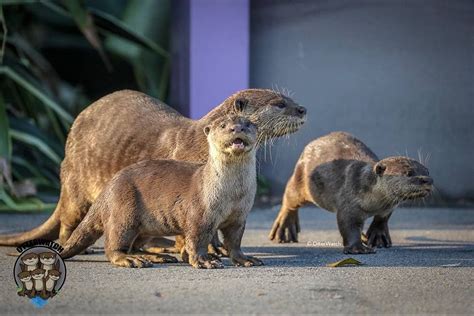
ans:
(358, 249)
(285, 228)
(378, 236)
(205, 262)
(246, 261)
(217, 248)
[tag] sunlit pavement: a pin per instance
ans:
(428, 270)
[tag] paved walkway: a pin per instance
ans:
(411, 277)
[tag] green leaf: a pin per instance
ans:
(344, 263)
(4, 35)
(10, 73)
(5, 139)
(111, 25)
(86, 24)
(37, 143)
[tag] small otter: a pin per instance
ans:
(47, 259)
(39, 283)
(126, 127)
(341, 174)
(27, 285)
(29, 262)
(50, 282)
(169, 197)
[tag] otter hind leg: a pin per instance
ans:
(350, 226)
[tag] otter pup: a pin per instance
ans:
(126, 127)
(47, 259)
(29, 262)
(50, 282)
(27, 285)
(39, 283)
(169, 197)
(339, 173)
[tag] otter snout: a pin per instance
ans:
(300, 111)
(238, 128)
(424, 180)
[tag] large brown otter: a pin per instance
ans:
(339, 173)
(170, 197)
(126, 127)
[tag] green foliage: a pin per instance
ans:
(40, 88)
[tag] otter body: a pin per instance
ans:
(341, 174)
(127, 127)
(168, 197)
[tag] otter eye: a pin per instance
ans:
(410, 173)
(280, 105)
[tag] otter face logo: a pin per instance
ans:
(24, 276)
(39, 274)
(47, 258)
(54, 275)
(30, 259)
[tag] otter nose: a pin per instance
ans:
(301, 110)
(426, 180)
(237, 128)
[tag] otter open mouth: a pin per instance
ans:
(238, 143)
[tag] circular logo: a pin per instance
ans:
(39, 273)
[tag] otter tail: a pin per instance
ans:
(48, 230)
(88, 231)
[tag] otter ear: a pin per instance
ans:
(207, 129)
(240, 104)
(379, 169)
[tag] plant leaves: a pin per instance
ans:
(344, 263)
(37, 143)
(85, 22)
(47, 101)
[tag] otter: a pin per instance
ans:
(50, 282)
(127, 127)
(29, 262)
(48, 260)
(39, 283)
(341, 174)
(27, 285)
(170, 197)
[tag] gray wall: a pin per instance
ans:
(397, 74)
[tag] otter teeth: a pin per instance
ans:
(238, 144)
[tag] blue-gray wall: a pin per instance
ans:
(397, 74)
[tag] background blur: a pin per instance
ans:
(397, 74)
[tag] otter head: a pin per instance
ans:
(231, 137)
(403, 178)
(54, 275)
(47, 258)
(24, 276)
(272, 112)
(30, 259)
(38, 274)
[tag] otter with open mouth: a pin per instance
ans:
(341, 174)
(170, 197)
(127, 127)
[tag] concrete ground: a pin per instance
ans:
(412, 277)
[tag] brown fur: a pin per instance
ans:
(339, 173)
(169, 197)
(126, 127)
